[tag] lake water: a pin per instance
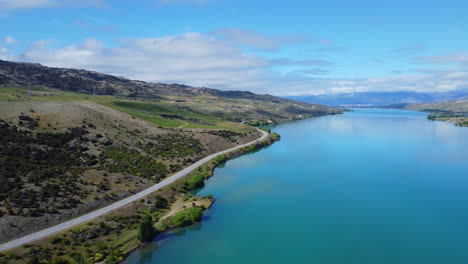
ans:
(368, 186)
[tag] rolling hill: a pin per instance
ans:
(229, 105)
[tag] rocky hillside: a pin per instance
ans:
(89, 82)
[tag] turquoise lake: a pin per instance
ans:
(368, 186)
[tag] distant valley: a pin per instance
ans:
(450, 106)
(380, 98)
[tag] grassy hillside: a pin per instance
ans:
(64, 153)
(456, 107)
(452, 111)
(234, 106)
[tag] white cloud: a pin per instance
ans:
(204, 60)
(9, 40)
(196, 2)
(31, 4)
(192, 58)
(332, 49)
(252, 39)
(442, 81)
(95, 26)
(460, 57)
(24, 4)
(5, 54)
(288, 61)
(308, 72)
(408, 50)
(255, 40)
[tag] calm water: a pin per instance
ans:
(369, 186)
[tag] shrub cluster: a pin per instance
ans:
(196, 181)
(39, 172)
(226, 134)
(125, 160)
(187, 217)
(175, 146)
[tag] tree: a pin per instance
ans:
(146, 231)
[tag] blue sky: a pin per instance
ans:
(283, 48)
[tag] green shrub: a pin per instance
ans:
(124, 160)
(196, 181)
(45, 160)
(175, 146)
(160, 202)
(276, 136)
(187, 217)
(56, 240)
(221, 158)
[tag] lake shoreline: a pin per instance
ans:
(177, 188)
(347, 199)
(211, 166)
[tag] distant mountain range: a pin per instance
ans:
(380, 98)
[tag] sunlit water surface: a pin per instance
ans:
(368, 186)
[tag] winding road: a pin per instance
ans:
(90, 216)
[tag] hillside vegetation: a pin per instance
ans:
(452, 111)
(59, 159)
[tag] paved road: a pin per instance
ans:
(87, 217)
